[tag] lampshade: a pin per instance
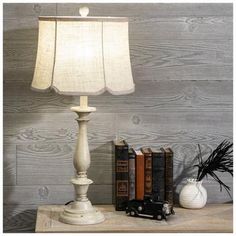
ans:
(83, 56)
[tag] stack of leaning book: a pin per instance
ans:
(141, 173)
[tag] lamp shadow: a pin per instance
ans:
(102, 173)
(16, 219)
(23, 222)
(22, 110)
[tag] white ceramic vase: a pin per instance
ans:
(193, 195)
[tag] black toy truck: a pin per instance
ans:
(148, 207)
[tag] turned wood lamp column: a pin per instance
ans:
(81, 56)
(81, 210)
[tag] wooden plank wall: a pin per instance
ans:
(182, 66)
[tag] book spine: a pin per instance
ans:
(122, 176)
(131, 175)
(147, 174)
(139, 173)
(158, 175)
(169, 194)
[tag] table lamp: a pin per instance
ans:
(81, 55)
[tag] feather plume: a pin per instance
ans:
(221, 160)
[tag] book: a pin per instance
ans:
(147, 171)
(158, 174)
(131, 174)
(169, 194)
(139, 174)
(121, 175)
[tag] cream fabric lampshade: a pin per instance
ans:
(83, 56)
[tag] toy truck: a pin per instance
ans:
(148, 207)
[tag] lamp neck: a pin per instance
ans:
(83, 101)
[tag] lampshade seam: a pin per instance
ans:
(54, 58)
(103, 62)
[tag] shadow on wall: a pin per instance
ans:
(102, 173)
(187, 172)
(9, 180)
(23, 109)
(14, 219)
(23, 222)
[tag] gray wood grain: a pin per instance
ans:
(178, 53)
(9, 164)
(172, 127)
(149, 9)
(27, 10)
(43, 164)
(53, 194)
(56, 127)
(181, 28)
(187, 72)
(145, 128)
(160, 96)
(182, 65)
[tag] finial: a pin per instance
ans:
(83, 11)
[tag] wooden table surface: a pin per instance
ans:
(212, 218)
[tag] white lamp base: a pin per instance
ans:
(81, 213)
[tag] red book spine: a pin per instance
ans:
(139, 173)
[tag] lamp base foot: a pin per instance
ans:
(81, 213)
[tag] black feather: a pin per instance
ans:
(221, 160)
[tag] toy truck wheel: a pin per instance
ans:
(140, 208)
(159, 217)
(133, 212)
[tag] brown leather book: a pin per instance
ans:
(169, 193)
(139, 174)
(147, 170)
